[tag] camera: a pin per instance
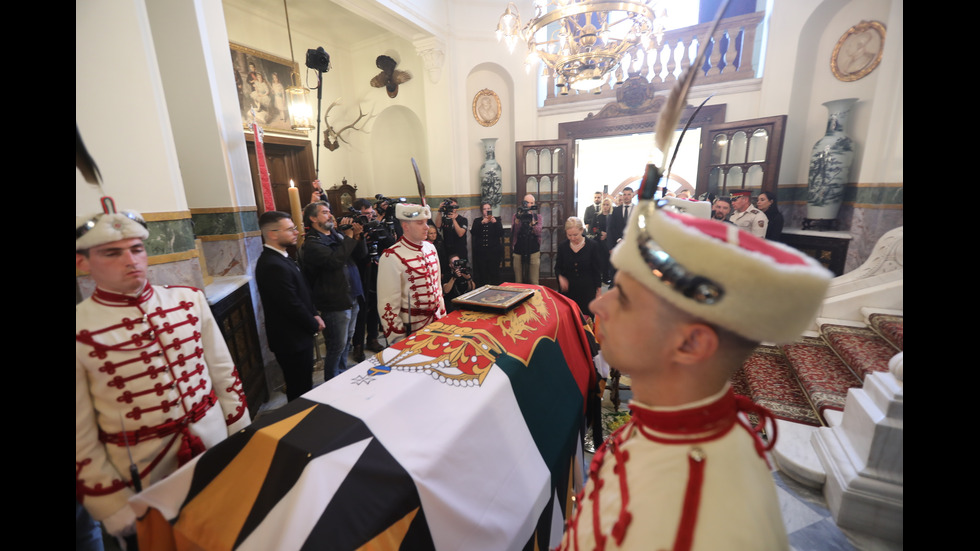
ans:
(525, 209)
(447, 207)
(388, 213)
(461, 266)
(318, 59)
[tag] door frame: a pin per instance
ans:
(558, 203)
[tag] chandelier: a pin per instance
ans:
(583, 41)
(300, 113)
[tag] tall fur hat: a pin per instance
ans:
(761, 290)
(410, 211)
(99, 229)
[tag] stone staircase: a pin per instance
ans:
(808, 380)
(846, 435)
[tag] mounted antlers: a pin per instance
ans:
(332, 138)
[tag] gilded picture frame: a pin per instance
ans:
(858, 51)
(262, 79)
(493, 298)
(486, 107)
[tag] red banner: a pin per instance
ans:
(270, 203)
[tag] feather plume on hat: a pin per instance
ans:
(671, 113)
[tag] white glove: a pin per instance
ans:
(122, 523)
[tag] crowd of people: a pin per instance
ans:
(386, 269)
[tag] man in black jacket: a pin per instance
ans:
(592, 210)
(620, 218)
(328, 261)
(291, 319)
(488, 247)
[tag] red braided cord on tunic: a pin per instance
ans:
(692, 500)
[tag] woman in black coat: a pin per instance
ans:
(578, 265)
(767, 204)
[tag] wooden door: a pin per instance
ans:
(287, 159)
(545, 169)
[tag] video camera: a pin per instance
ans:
(525, 210)
(388, 213)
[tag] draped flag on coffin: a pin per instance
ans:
(466, 435)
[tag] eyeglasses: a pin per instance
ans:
(671, 272)
(91, 223)
(291, 228)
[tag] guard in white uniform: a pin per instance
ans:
(747, 217)
(409, 280)
(155, 384)
(689, 471)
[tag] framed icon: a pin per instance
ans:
(493, 298)
(486, 107)
(858, 51)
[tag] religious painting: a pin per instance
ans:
(493, 298)
(262, 80)
(486, 107)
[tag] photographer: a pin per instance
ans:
(328, 259)
(488, 247)
(526, 242)
(453, 228)
(385, 209)
(377, 238)
(458, 282)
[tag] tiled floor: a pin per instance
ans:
(809, 523)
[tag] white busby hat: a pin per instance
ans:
(102, 228)
(410, 211)
(761, 290)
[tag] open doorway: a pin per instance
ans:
(611, 163)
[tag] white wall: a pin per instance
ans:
(121, 112)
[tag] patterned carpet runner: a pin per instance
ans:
(824, 377)
(767, 378)
(890, 327)
(800, 382)
(861, 348)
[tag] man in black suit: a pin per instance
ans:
(618, 219)
(592, 210)
(291, 319)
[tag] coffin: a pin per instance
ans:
(467, 435)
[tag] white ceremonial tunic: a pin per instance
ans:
(409, 288)
(155, 366)
(752, 220)
(695, 478)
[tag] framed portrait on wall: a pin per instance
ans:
(262, 80)
(858, 51)
(486, 107)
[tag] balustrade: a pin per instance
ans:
(730, 58)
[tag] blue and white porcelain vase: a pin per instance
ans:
(491, 184)
(830, 164)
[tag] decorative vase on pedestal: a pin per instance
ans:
(830, 165)
(490, 175)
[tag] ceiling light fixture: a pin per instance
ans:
(583, 41)
(300, 112)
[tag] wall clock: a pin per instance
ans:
(858, 51)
